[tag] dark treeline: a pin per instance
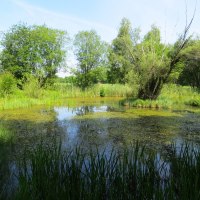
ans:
(145, 63)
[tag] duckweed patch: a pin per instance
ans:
(34, 115)
(129, 113)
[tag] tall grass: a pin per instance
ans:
(135, 173)
(179, 94)
(58, 94)
(171, 96)
(110, 90)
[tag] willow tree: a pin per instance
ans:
(152, 64)
(154, 61)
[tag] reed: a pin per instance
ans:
(48, 172)
(59, 95)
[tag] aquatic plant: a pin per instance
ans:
(48, 172)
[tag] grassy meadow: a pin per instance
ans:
(171, 96)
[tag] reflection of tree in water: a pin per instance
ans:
(83, 110)
(4, 168)
(190, 127)
(105, 132)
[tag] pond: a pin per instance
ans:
(100, 122)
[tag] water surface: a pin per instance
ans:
(100, 122)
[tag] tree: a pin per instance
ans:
(120, 60)
(91, 53)
(191, 59)
(36, 50)
(154, 62)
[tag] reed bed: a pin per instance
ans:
(59, 94)
(134, 173)
(170, 97)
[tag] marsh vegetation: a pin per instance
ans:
(123, 125)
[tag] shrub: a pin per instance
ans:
(193, 102)
(7, 84)
(32, 87)
(102, 92)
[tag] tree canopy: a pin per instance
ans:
(146, 63)
(120, 60)
(90, 52)
(36, 50)
(147, 60)
(190, 74)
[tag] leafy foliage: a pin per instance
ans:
(191, 72)
(8, 84)
(120, 60)
(37, 50)
(152, 64)
(91, 53)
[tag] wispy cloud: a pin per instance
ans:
(169, 15)
(41, 15)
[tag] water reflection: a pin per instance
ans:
(116, 130)
(69, 113)
(101, 125)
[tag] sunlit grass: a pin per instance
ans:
(110, 90)
(172, 96)
(179, 94)
(60, 95)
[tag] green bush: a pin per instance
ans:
(32, 87)
(102, 92)
(8, 84)
(193, 102)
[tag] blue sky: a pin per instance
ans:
(102, 15)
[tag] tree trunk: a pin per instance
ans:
(152, 89)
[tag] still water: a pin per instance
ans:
(98, 122)
(101, 123)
